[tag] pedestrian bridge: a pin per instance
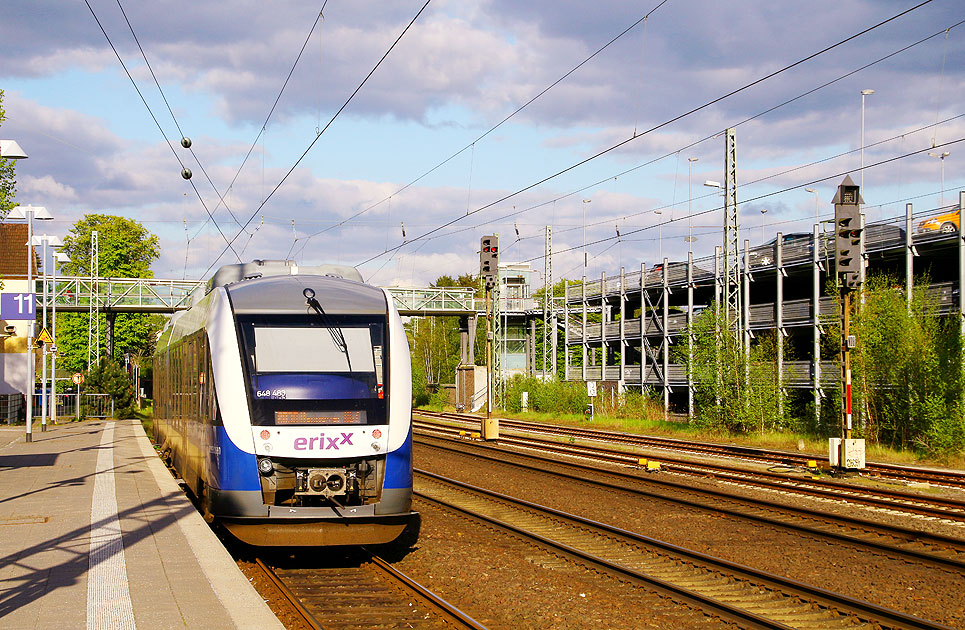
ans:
(157, 295)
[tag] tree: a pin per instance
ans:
(108, 377)
(8, 182)
(125, 250)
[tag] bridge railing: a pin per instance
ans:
(116, 294)
(433, 301)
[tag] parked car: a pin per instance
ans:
(945, 223)
(795, 245)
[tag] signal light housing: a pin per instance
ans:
(489, 259)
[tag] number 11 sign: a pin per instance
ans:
(18, 306)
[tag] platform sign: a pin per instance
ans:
(18, 306)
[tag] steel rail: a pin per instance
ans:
(306, 616)
(914, 503)
(441, 606)
(893, 471)
(905, 535)
(868, 611)
(448, 613)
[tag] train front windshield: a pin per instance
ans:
(303, 370)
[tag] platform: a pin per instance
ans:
(95, 533)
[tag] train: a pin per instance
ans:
(283, 400)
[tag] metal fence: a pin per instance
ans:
(97, 406)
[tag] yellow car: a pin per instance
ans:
(944, 223)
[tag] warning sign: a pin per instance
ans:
(44, 336)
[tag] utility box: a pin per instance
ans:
(847, 454)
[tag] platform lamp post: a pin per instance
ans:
(41, 214)
(690, 203)
(59, 257)
(864, 93)
(941, 156)
(815, 193)
(53, 241)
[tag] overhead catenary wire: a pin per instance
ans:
(505, 119)
(658, 126)
(322, 131)
(171, 111)
(813, 90)
(158, 124)
(782, 191)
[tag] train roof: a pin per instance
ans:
(284, 294)
(229, 274)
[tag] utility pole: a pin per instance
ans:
(732, 283)
(549, 332)
(846, 452)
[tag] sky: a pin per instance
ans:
(393, 135)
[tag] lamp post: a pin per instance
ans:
(941, 156)
(585, 201)
(30, 213)
(44, 241)
(690, 203)
(811, 190)
(10, 150)
(864, 93)
(59, 257)
(659, 234)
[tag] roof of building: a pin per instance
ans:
(13, 251)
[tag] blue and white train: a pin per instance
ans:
(283, 398)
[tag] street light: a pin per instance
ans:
(59, 257)
(864, 93)
(690, 203)
(659, 233)
(53, 241)
(763, 212)
(585, 201)
(30, 213)
(811, 190)
(10, 150)
(941, 157)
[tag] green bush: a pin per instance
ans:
(553, 396)
(108, 377)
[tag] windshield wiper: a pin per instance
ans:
(337, 336)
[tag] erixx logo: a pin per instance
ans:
(324, 443)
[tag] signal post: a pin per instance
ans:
(489, 272)
(846, 452)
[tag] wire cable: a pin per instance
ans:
(154, 118)
(505, 119)
(319, 133)
(608, 178)
(636, 136)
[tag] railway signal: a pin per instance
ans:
(847, 452)
(489, 259)
(848, 234)
(489, 271)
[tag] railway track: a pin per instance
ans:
(907, 544)
(802, 483)
(948, 478)
(368, 594)
(738, 594)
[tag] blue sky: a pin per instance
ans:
(460, 69)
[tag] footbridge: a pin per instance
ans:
(157, 295)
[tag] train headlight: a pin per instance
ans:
(265, 466)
